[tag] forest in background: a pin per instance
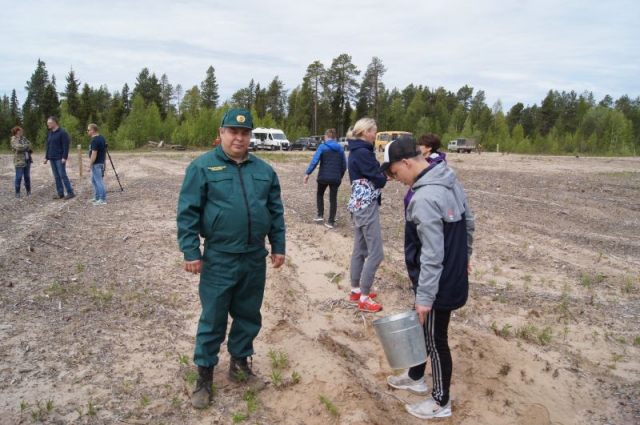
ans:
(335, 96)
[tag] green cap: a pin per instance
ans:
(237, 118)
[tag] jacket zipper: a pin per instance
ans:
(246, 202)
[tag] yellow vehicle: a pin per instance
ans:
(384, 137)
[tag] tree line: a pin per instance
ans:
(334, 96)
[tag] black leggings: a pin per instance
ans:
(436, 336)
(333, 200)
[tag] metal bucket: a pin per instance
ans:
(402, 339)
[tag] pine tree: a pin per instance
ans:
(276, 100)
(32, 113)
(71, 93)
(14, 108)
(209, 90)
(342, 85)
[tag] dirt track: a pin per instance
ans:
(98, 318)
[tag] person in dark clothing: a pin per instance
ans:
(444, 225)
(97, 155)
(367, 182)
(57, 152)
(231, 200)
(333, 164)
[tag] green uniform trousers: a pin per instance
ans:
(230, 285)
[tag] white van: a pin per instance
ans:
(270, 138)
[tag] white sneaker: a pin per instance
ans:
(429, 409)
(404, 382)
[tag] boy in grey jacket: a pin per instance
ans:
(444, 224)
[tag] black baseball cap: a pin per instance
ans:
(399, 149)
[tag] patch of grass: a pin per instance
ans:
(331, 408)
(23, 405)
(145, 401)
(295, 377)
(636, 341)
(527, 332)
(544, 337)
(527, 278)
(92, 411)
(505, 369)
(239, 417)
(492, 283)
(508, 286)
(80, 267)
(496, 269)
(489, 393)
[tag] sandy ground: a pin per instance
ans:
(97, 318)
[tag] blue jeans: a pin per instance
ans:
(99, 191)
(60, 174)
(26, 173)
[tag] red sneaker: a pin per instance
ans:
(369, 305)
(355, 297)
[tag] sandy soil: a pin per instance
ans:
(97, 318)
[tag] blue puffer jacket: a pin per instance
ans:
(333, 163)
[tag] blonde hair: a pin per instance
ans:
(362, 125)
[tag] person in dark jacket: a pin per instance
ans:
(366, 183)
(444, 224)
(57, 152)
(232, 200)
(333, 164)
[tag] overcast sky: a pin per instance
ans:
(515, 50)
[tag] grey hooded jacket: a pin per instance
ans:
(445, 224)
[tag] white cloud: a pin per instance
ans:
(514, 51)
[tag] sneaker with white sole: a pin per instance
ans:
(429, 409)
(318, 218)
(99, 202)
(369, 306)
(404, 382)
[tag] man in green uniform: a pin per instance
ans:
(232, 199)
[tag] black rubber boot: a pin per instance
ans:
(240, 372)
(201, 397)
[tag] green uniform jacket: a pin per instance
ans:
(232, 206)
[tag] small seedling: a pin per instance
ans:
(183, 359)
(23, 405)
(92, 409)
(175, 401)
(49, 405)
(279, 359)
(505, 369)
(191, 377)
(496, 269)
(252, 401)
(145, 401)
(636, 341)
(489, 393)
(80, 267)
(276, 378)
(295, 377)
(527, 278)
(545, 336)
(328, 404)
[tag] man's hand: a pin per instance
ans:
(194, 267)
(305, 180)
(277, 260)
(64, 160)
(422, 310)
(45, 161)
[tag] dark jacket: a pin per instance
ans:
(445, 224)
(232, 206)
(333, 163)
(363, 163)
(57, 144)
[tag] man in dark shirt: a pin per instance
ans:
(96, 164)
(57, 152)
